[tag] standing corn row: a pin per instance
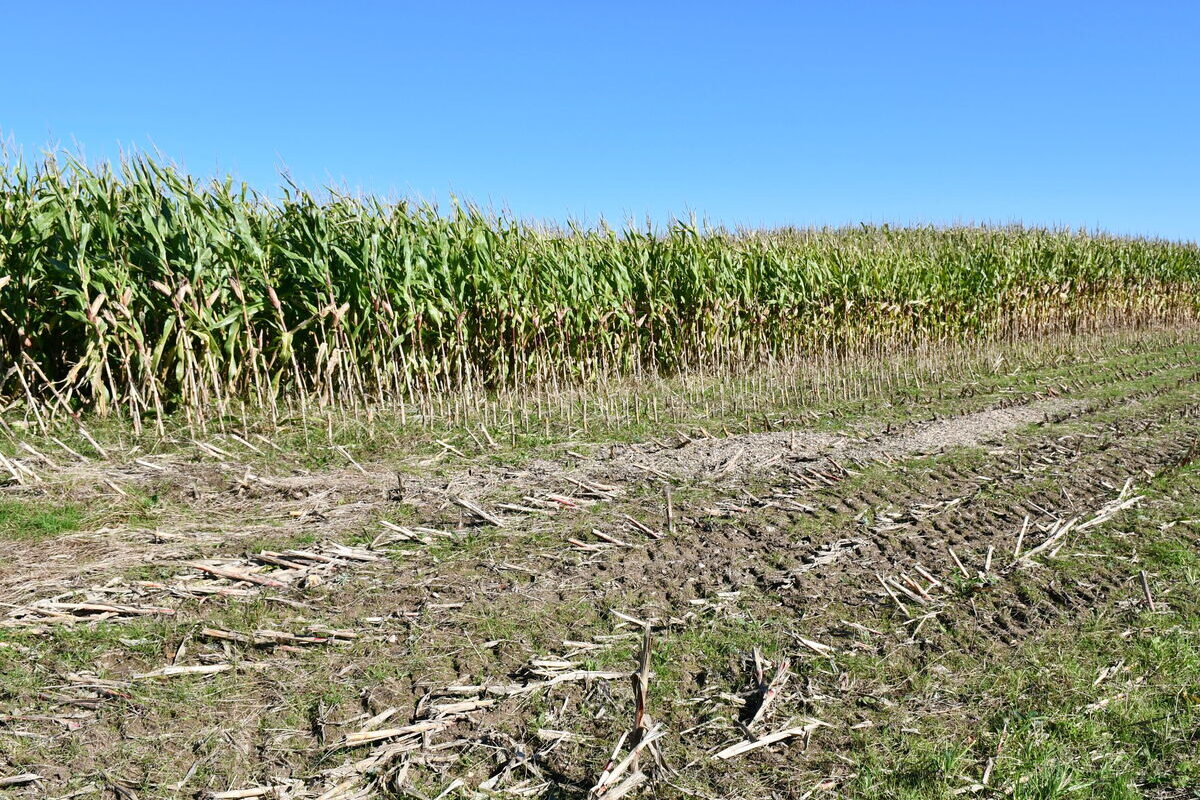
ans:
(140, 290)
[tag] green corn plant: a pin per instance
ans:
(138, 290)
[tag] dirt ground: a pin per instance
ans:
(814, 605)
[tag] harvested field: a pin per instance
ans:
(983, 583)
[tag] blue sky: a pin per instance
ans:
(750, 113)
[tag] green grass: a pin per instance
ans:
(34, 520)
(1053, 729)
(1035, 721)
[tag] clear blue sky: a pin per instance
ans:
(755, 113)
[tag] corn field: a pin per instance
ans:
(139, 290)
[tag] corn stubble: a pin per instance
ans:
(140, 291)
